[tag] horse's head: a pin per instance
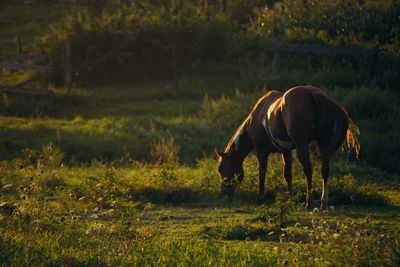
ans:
(230, 167)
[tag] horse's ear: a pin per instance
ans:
(219, 153)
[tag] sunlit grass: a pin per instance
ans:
(168, 213)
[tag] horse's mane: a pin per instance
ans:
(246, 122)
(238, 130)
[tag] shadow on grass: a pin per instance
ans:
(201, 198)
(11, 251)
(246, 232)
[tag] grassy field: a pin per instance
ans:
(80, 185)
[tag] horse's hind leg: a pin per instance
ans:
(325, 176)
(287, 169)
(304, 158)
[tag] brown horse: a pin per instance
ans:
(283, 122)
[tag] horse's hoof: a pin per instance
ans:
(323, 207)
(309, 207)
(260, 198)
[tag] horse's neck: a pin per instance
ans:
(241, 142)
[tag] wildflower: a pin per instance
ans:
(24, 197)
(61, 188)
(71, 195)
(93, 216)
(297, 224)
(336, 235)
(21, 188)
(99, 200)
(7, 186)
(281, 238)
(315, 210)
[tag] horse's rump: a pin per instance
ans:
(333, 125)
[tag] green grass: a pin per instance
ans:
(171, 214)
(80, 185)
(109, 122)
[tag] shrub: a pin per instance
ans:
(165, 149)
(144, 42)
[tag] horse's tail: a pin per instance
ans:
(351, 135)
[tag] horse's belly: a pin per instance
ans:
(283, 145)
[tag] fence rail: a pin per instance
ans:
(18, 62)
(278, 48)
(15, 66)
(317, 49)
(23, 57)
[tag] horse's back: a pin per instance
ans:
(298, 113)
(310, 114)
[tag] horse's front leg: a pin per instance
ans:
(262, 157)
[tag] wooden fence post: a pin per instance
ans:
(275, 58)
(19, 49)
(374, 62)
(224, 4)
(68, 64)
